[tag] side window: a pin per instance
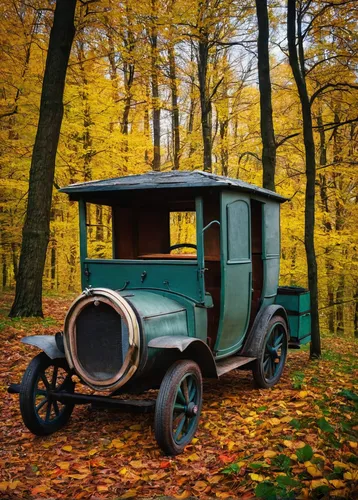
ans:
(238, 227)
(272, 229)
(99, 231)
(182, 231)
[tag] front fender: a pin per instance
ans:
(194, 349)
(259, 328)
(50, 344)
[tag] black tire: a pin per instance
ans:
(178, 407)
(45, 416)
(268, 367)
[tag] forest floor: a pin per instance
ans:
(296, 440)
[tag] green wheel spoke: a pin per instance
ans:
(41, 392)
(179, 407)
(48, 412)
(192, 394)
(190, 385)
(45, 381)
(180, 427)
(180, 395)
(41, 404)
(56, 408)
(269, 349)
(54, 377)
(265, 363)
(185, 390)
(278, 340)
(178, 418)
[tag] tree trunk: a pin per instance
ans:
(53, 265)
(326, 221)
(128, 71)
(146, 123)
(192, 105)
(205, 102)
(266, 120)
(299, 76)
(340, 218)
(28, 297)
(175, 108)
(356, 313)
(155, 90)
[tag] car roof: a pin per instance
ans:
(166, 180)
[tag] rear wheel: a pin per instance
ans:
(41, 413)
(178, 407)
(269, 366)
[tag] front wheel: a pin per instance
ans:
(41, 413)
(269, 366)
(178, 406)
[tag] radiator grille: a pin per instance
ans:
(102, 340)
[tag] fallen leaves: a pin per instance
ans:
(292, 442)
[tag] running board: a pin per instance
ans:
(229, 364)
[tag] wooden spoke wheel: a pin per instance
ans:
(269, 366)
(178, 406)
(41, 413)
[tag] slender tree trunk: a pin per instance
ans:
(205, 101)
(28, 297)
(87, 122)
(175, 108)
(53, 265)
(146, 123)
(326, 221)
(128, 71)
(266, 120)
(299, 76)
(155, 89)
(192, 104)
(356, 313)
(4, 271)
(340, 218)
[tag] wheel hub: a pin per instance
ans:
(191, 410)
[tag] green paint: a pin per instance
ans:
(200, 247)
(236, 270)
(83, 240)
(297, 304)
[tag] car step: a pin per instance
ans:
(226, 365)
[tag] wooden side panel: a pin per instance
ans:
(153, 231)
(138, 232)
(125, 233)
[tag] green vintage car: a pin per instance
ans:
(163, 312)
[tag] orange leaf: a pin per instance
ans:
(103, 487)
(129, 494)
(200, 486)
(184, 494)
(63, 465)
(3, 486)
(39, 489)
(164, 465)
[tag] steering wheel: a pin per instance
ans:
(182, 245)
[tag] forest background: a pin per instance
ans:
(142, 79)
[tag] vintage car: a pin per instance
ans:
(150, 317)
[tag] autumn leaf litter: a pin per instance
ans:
(297, 440)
